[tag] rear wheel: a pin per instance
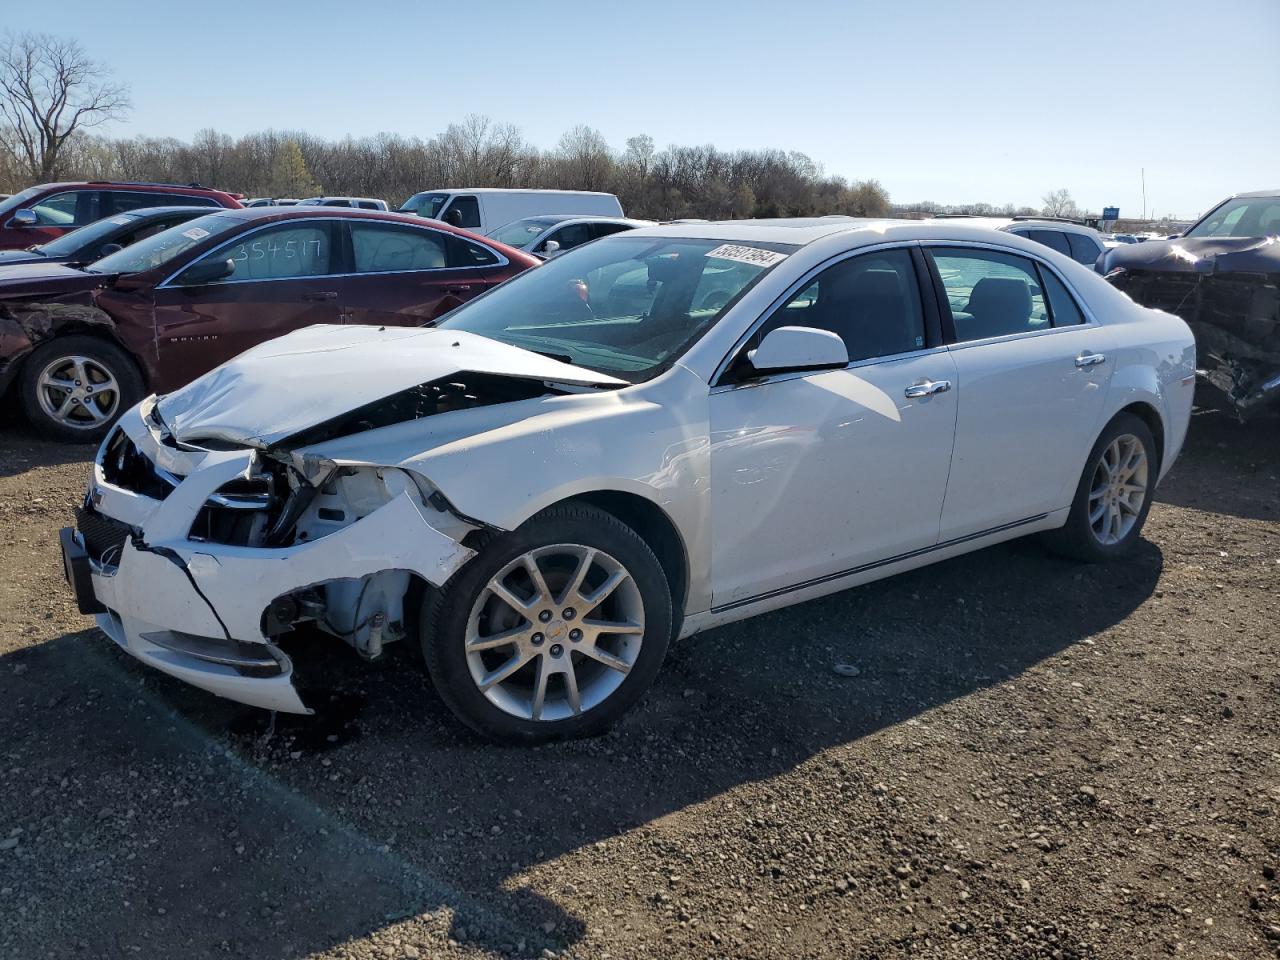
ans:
(74, 388)
(553, 631)
(1114, 494)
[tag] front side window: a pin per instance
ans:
(59, 210)
(158, 250)
(574, 235)
(872, 302)
(379, 248)
(463, 212)
(626, 306)
(285, 252)
(1242, 217)
(1084, 249)
(990, 294)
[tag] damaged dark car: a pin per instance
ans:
(1222, 276)
(79, 345)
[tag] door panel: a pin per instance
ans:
(403, 276)
(1030, 413)
(819, 474)
(280, 284)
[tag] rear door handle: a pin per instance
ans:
(927, 388)
(321, 295)
(1090, 359)
(458, 288)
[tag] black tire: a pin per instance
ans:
(1077, 538)
(446, 613)
(107, 357)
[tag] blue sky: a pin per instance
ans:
(982, 100)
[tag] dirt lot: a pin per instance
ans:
(1037, 759)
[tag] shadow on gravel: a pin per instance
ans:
(23, 450)
(1228, 467)
(294, 839)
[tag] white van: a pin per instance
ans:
(485, 208)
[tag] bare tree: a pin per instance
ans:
(1058, 203)
(50, 89)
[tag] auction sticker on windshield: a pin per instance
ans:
(195, 233)
(751, 255)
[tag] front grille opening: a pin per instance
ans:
(127, 467)
(104, 538)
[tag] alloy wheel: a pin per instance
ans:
(78, 392)
(555, 632)
(1118, 489)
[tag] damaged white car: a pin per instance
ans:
(657, 433)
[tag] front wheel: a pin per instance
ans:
(553, 631)
(1113, 496)
(75, 387)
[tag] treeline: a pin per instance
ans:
(675, 182)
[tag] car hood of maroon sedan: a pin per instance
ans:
(19, 277)
(312, 376)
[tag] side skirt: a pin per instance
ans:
(867, 573)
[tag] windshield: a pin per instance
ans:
(1241, 217)
(521, 233)
(626, 306)
(425, 204)
(69, 244)
(19, 200)
(162, 247)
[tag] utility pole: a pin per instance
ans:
(1144, 193)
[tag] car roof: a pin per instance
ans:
(1004, 223)
(589, 193)
(803, 231)
(559, 218)
(1257, 194)
(162, 210)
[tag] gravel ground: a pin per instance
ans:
(1034, 759)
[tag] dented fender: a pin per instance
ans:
(25, 326)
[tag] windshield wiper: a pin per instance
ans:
(562, 357)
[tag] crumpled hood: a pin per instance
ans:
(1199, 255)
(310, 376)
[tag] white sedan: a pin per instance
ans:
(662, 432)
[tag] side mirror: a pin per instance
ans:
(551, 248)
(23, 217)
(207, 271)
(789, 349)
(109, 248)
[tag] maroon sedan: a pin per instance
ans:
(80, 346)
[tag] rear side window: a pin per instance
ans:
(872, 302)
(379, 248)
(1084, 249)
(990, 294)
(1050, 238)
(464, 253)
(463, 212)
(607, 229)
(1065, 311)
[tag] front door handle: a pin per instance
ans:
(321, 295)
(927, 388)
(458, 288)
(1090, 359)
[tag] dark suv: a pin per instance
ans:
(44, 212)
